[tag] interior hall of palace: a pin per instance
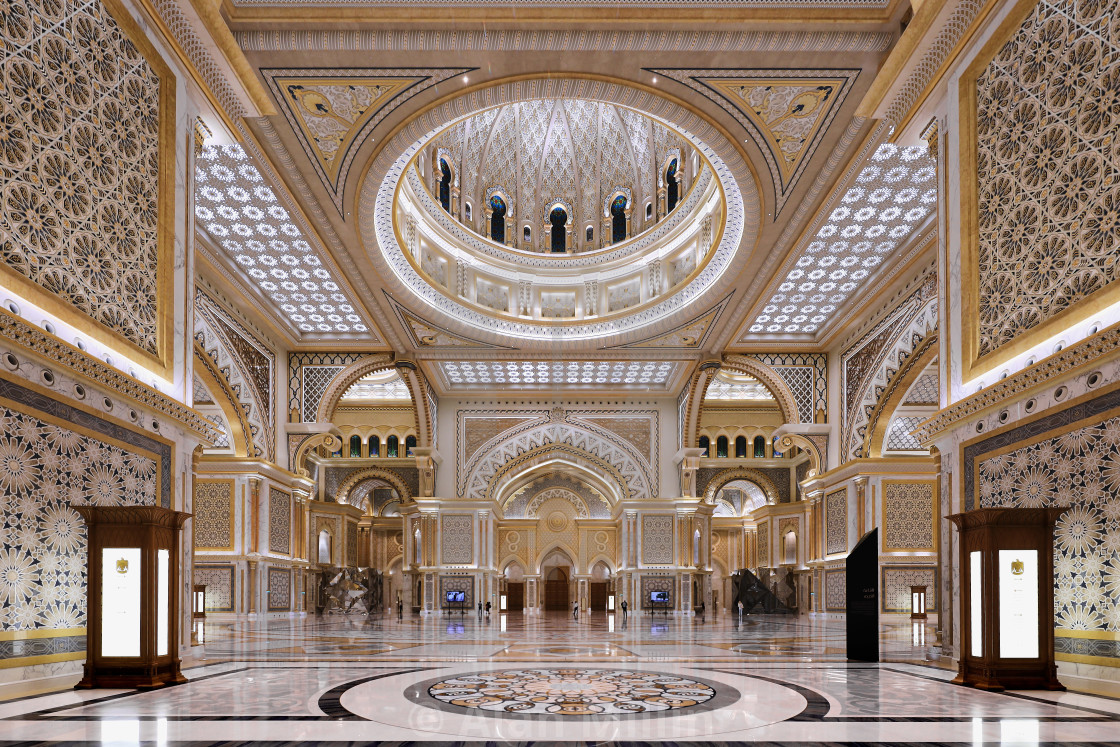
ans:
(420, 307)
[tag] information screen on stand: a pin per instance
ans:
(120, 601)
(1018, 604)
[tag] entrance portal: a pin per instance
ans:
(556, 590)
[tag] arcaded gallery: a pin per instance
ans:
(524, 371)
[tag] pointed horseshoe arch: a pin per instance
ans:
(892, 396)
(741, 473)
(409, 372)
(240, 433)
(698, 385)
(376, 473)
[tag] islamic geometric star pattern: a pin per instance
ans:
(893, 193)
(1048, 204)
(242, 215)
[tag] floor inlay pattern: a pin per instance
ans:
(567, 692)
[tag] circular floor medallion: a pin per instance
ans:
(571, 693)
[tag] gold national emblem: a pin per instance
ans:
(1017, 567)
(122, 566)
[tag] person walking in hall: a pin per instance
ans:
(487, 612)
(400, 609)
(740, 611)
(480, 610)
(703, 609)
(575, 610)
(623, 609)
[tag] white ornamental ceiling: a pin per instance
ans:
(819, 209)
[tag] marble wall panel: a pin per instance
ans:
(279, 521)
(657, 539)
(909, 516)
(836, 522)
(213, 514)
(219, 582)
(279, 589)
(456, 536)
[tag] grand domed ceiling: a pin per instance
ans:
(653, 215)
(536, 157)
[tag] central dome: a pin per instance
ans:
(558, 217)
(559, 176)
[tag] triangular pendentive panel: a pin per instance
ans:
(333, 111)
(786, 112)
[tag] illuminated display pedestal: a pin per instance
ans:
(1007, 598)
(132, 616)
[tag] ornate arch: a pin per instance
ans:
(330, 440)
(914, 327)
(240, 433)
(346, 377)
(740, 473)
(891, 397)
(770, 379)
(583, 511)
(817, 458)
(525, 446)
(377, 473)
(553, 547)
(698, 385)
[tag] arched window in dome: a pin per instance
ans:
(759, 447)
(705, 444)
(392, 447)
(721, 447)
(498, 219)
(467, 210)
(559, 219)
(590, 234)
(409, 445)
(741, 447)
(618, 219)
(355, 446)
(375, 446)
(672, 186)
(445, 185)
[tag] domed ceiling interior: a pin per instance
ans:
(578, 155)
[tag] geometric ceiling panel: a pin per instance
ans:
(551, 373)
(333, 111)
(892, 195)
(242, 215)
(786, 112)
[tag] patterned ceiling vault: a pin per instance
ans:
(87, 156)
(732, 386)
(241, 214)
(333, 111)
(893, 194)
(572, 151)
(1048, 203)
(786, 112)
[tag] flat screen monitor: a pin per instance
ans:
(659, 597)
(456, 597)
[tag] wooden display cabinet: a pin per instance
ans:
(1007, 598)
(132, 617)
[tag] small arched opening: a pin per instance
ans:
(374, 446)
(444, 185)
(392, 446)
(558, 237)
(741, 447)
(409, 445)
(672, 186)
(355, 446)
(618, 219)
(324, 547)
(704, 445)
(759, 447)
(721, 447)
(498, 219)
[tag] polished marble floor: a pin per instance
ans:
(599, 679)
